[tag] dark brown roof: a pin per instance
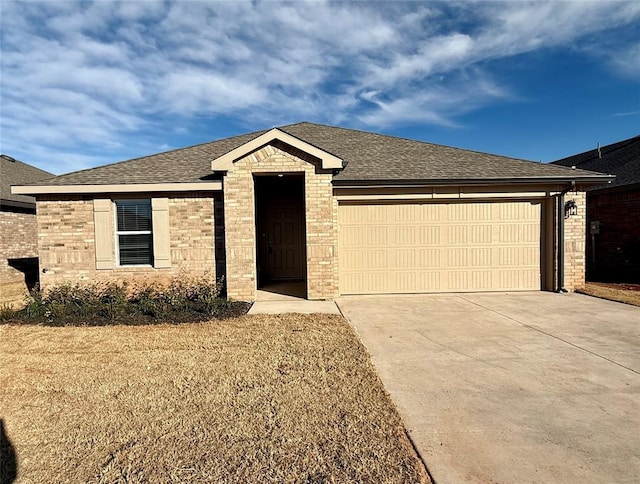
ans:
(368, 157)
(184, 165)
(14, 172)
(621, 159)
(379, 157)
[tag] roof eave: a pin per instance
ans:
(583, 180)
(17, 204)
(615, 188)
(115, 188)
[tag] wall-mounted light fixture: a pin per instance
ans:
(570, 208)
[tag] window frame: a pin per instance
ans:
(118, 233)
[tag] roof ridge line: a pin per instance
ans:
(415, 141)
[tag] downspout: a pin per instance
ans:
(560, 217)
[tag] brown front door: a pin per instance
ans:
(284, 241)
(280, 228)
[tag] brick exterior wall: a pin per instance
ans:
(320, 221)
(207, 235)
(617, 246)
(66, 240)
(18, 238)
(574, 243)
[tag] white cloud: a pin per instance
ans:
(626, 113)
(626, 60)
(437, 103)
(199, 91)
(81, 80)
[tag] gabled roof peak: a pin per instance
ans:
(225, 162)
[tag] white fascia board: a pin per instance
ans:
(123, 188)
(225, 162)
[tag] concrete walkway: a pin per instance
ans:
(511, 388)
(282, 298)
(294, 306)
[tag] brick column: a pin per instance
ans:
(575, 230)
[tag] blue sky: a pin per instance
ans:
(89, 83)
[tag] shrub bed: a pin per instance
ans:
(95, 304)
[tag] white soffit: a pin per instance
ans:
(225, 162)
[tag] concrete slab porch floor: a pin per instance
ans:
(289, 297)
(511, 388)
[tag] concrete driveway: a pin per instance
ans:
(511, 388)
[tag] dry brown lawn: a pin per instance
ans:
(288, 398)
(626, 293)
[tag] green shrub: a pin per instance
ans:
(114, 301)
(150, 301)
(184, 299)
(35, 307)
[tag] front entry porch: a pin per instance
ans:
(280, 234)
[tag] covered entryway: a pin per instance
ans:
(412, 247)
(280, 230)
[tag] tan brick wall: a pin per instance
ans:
(17, 241)
(320, 225)
(66, 240)
(575, 228)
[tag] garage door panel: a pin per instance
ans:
(510, 278)
(371, 282)
(364, 236)
(426, 281)
(439, 247)
(526, 211)
(429, 235)
(420, 257)
(527, 258)
(468, 212)
(469, 234)
(469, 280)
(516, 233)
(469, 257)
(356, 259)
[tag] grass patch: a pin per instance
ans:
(289, 398)
(625, 293)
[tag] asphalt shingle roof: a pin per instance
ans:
(14, 172)
(621, 159)
(368, 156)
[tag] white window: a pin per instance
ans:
(134, 232)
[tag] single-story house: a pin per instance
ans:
(18, 234)
(613, 211)
(344, 211)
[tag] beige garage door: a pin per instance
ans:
(439, 247)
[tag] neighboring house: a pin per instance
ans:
(344, 211)
(18, 234)
(613, 211)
